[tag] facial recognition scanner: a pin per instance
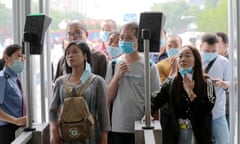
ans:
(35, 27)
(149, 34)
(152, 21)
(33, 40)
(34, 31)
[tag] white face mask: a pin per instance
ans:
(104, 35)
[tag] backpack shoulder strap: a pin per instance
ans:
(65, 85)
(113, 66)
(73, 92)
(86, 84)
(210, 65)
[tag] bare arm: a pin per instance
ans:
(11, 119)
(173, 63)
(104, 138)
(112, 90)
(113, 85)
(221, 83)
(55, 134)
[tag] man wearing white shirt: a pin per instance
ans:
(217, 68)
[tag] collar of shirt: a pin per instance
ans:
(9, 73)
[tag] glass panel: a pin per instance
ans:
(234, 51)
(36, 69)
(6, 32)
(92, 12)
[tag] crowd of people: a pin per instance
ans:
(189, 86)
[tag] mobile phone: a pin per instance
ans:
(214, 81)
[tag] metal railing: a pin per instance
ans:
(23, 138)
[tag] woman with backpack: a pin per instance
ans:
(94, 91)
(190, 99)
(12, 108)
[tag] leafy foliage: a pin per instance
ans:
(178, 15)
(58, 16)
(214, 19)
(5, 17)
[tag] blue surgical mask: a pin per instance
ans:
(86, 74)
(172, 52)
(104, 35)
(209, 56)
(17, 66)
(162, 42)
(126, 47)
(185, 71)
(114, 51)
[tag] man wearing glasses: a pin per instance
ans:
(78, 31)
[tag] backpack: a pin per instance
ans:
(76, 122)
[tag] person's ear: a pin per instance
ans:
(226, 45)
(6, 58)
(85, 57)
(135, 43)
(201, 46)
(86, 35)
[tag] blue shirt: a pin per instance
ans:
(156, 58)
(10, 94)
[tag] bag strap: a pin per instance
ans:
(65, 85)
(86, 84)
(210, 65)
(210, 91)
(113, 67)
(170, 84)
(73, 92)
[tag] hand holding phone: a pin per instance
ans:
(214, 81)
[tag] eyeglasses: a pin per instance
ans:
(74, 34)
(126, 37)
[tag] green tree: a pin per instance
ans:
(214, 19)
(178, 15)
(5, 21)
(58, 16)
(211, 3)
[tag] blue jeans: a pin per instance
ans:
(185, 136)
(220, 130)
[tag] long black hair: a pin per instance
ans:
(9, 50)
(83, 46)
(198, 77)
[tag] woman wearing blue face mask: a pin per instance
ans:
(78, 68)
(190, 99)
(12, 106)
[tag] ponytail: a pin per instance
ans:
(2, 63)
